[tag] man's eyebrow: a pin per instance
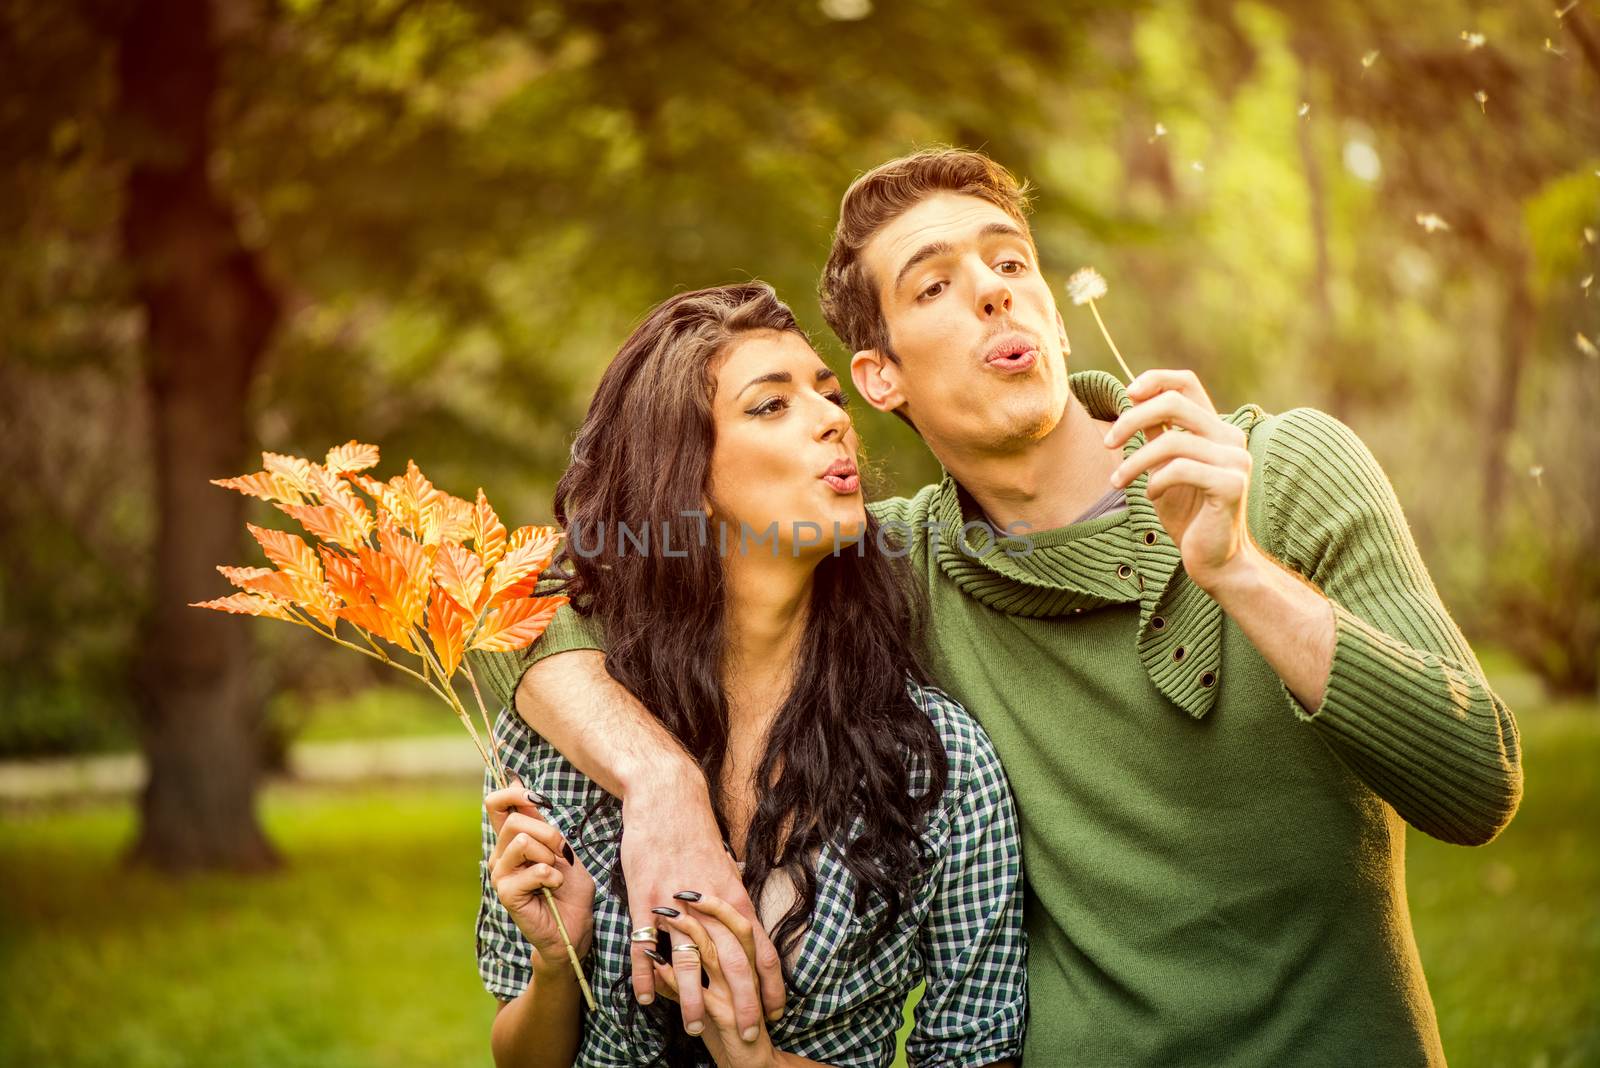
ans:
(944, 248)
(823, 374)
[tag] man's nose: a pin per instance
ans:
(994, 298)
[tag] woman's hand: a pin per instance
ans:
(721, 1034)
(528, 856)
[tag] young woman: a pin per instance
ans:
(769, 631)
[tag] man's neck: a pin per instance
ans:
(1045, 483)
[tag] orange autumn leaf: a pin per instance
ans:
(248, 604)
(516, 624)
(459, 572)
(301, 578)
(265, 485)
(293, 470)
(369, 617)
(447, 629)
(488, 533)
(351, 456)
(521, 566)
(385, 576)
(239, 575)
(345, 576)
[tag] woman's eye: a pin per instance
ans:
(838, 397)
(932, 291)
(768, 406)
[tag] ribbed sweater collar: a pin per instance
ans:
(1114, 559)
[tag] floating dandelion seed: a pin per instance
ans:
(1161, 131)
(1589, 235)
(1536, 471)
(1474, 41)
(1369, 59)
(1561, 13)
(1086, 286)
(1553, 50)
(1586, 346)
(1588, 280)
(1198, 166)
(1431, 222)
(1305, 109)
(1483, 101)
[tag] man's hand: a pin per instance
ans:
(1199, 483)
(1198, 480)
(671, 845)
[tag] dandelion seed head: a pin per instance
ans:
(1431, 222)
(1474, 40)
(1085, 285)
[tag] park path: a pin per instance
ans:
(34, 781)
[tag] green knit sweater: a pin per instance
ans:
(1215, 874)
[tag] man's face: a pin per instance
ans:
(981, 347)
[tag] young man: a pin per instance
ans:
(1214, 667)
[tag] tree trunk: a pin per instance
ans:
(1517, 331)
(209, 315)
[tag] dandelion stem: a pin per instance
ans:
(1107, 335)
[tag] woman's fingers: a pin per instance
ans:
(516, 823)
(523, 850)
(730, 918)
(513, 798)
(704, 960)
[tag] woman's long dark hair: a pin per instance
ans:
(642, 458)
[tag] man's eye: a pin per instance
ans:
(932, 291)
(1011, 267)
(768, 406)
(838, 397)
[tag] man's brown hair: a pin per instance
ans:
(849, 294)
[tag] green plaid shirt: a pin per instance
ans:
(960, 931)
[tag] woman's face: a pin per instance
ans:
(785, 453)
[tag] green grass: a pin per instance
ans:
(360, 953)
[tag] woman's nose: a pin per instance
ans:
(835, 424)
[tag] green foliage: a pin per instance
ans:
(465, 205)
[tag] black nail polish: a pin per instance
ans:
(664, 911)
(686, 895)
(658, 958)
(566, 851)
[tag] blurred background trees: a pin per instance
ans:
(240, 224)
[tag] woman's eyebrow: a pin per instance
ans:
(823, 374)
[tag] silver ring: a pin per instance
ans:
(643, 934)
(690, 946)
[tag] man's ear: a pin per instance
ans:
(877, 379)
(1061, 329)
